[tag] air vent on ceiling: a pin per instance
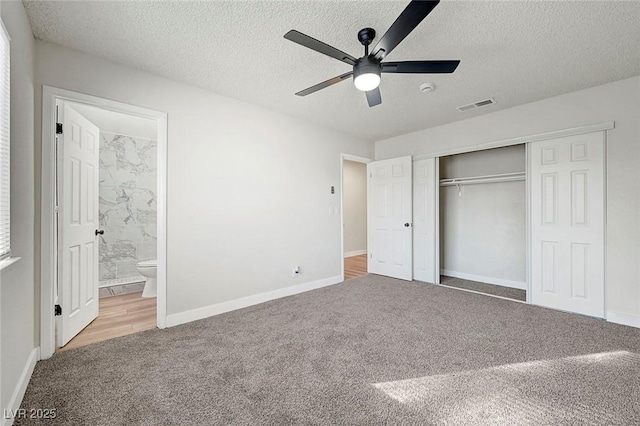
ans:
(475, 105)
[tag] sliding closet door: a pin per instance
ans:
(567, 223)
(425, 188)
(389, 213)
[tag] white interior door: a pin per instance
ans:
(390, 216)
(425, 185)
(78, 158)
(567, 223)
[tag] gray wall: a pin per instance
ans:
(18, 299)
(618, 101)
(509, 159)
(248, 188)
(128, 206)
(483, 230)
(355, 206)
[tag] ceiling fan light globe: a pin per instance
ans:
(366, 74)
(366, 82)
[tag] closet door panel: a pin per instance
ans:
(567, 223)
(425, 185)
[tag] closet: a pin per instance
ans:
(524, 221)
(482, 221)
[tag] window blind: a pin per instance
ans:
(5, 143)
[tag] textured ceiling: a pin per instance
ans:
(515, 52)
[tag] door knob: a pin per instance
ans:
(406, 225)
(100, 232)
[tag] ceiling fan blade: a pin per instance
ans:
(324, 84)
(373, 97)
(420, 67)
(410, 17)
(318, 46)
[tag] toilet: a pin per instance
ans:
(148, 268)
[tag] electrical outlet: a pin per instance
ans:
(296, 271)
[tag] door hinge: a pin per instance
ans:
(57, 310)
(58, 128)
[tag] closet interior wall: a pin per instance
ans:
(483, 221)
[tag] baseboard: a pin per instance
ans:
(355, 253)
(624, 319)
(489, 280)
(121, 281)
(21, 387)
(232, 305)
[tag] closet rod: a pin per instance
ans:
(504, 177)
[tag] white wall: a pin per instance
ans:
(16, 282)
(618, 101)
(248, 189)
(483, 227)
(355, 207)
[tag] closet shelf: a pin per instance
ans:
(504, 177)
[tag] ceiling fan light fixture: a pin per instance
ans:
(366, 74)
(367, 69)
(366, 82)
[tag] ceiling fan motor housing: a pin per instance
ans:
(366, 65)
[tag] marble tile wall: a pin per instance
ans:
(128, 208)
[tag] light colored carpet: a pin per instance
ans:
(496, 290)
(371, 351)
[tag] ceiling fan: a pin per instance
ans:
(367, 69)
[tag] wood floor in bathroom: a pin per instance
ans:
(118, 316)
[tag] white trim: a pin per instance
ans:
(6, 139)
(21, 386)
(624, 319)
(232, 305)
(355, 253)
(5, 263)
(608, 125)
(484, 294)
(436, 278)
(527, 185)
(47, 262)
(482, 279)
(357, 159)
(605, 202)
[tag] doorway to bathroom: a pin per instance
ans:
(106, 239)
(354, 216)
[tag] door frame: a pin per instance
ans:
(48, 259)
(357, 159)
